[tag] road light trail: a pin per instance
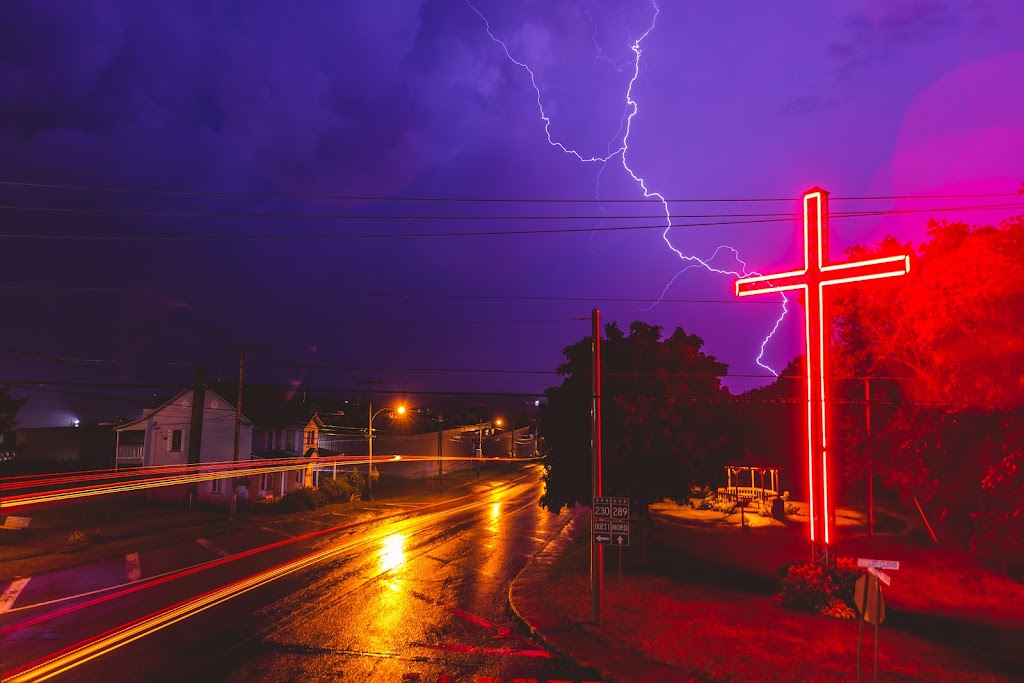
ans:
(97, 646)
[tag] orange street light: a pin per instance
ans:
(369, 448)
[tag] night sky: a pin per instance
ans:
(178, 178)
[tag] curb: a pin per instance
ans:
(525, 599)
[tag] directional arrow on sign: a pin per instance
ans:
(618, 539)
(602, 539)
(882, 576)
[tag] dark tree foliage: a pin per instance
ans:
(665, 418)
(9, 407)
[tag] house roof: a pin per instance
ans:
(144, 418)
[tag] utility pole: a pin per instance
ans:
(369, 435)
(596, 549)
(238, 416)
(871, 457)
(440, 451)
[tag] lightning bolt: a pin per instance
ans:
(621, 152)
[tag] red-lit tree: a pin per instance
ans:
(944, 345)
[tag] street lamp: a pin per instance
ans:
(369, 440)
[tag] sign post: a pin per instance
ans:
(867, 597)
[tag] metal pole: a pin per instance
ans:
(440, 451)
(369, 446)
(878, 615)
(596, 550)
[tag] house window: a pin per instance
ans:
(215, 486)
(265, 481)
(289, 441)
(270, 440)
(311, 437)
(298, 476)
(176, 440)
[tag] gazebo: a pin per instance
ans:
(751, 482)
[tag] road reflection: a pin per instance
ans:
(392, 552)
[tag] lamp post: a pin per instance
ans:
(369, 440)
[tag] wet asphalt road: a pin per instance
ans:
(419, 593)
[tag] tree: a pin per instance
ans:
(945, 345)
(9, 408)
(664, 418)
(950, 329)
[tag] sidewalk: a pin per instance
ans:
(527, 602)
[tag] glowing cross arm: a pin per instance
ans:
(871, 269)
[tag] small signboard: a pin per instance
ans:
(880, 575)
(867, 597)
(878, 564)
(611, 533)
(611, 507)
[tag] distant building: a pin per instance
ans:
(82, 447)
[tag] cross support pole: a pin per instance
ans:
(817, 274)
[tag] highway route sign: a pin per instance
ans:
(611, 507)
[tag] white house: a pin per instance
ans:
(180, 432)
(280, 439)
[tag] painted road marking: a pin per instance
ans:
(212, 547)
(277, 531)
(12, 593)
(132, 567)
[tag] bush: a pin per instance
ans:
(83, 536)
(808, 586)
(306, 498)
(342, 489)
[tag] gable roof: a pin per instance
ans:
(144, 418)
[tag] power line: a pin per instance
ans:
(425, 235)
(789, 215)
(502, 200)
(384, 295)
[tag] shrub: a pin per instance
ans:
(342, 489)
(808, 586)
(792, 509)
(706, 503)
(844, 576)
(83, 536)
(306, 498)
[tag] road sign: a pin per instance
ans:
(611, 507)
(878, 564)
(867, 596)
(880, 575)
(611, 533)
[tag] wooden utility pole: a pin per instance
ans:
(596, 549)
(368, 493)
(871, 457)
(440, 451)
(238, 416)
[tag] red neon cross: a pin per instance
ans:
(817, 273)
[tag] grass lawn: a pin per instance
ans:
(706, 604)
